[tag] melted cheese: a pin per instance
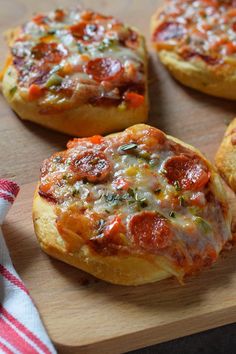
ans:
(199, 30)
(104, 38)
(198, 225)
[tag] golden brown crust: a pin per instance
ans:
(197, 74)
(226, 156)
(117, 269)
(128, 270)
(85, 119)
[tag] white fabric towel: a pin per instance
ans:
(21, 330)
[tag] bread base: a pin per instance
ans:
(215, 81)
(226, 157)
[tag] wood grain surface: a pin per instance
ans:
(84, 315)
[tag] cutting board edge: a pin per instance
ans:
(138, 339)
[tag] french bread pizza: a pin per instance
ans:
(226, 156)
(132, 207)
(196, 41)
(78, 72)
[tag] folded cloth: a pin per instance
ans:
(21, 330)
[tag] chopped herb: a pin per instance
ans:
(51, 31)
(152, 163)
(172, 214)
(143, 203)
(13, 90)
(75, 192)
(81, 48)
(182, 201)
(131, 193)
(57, 159)
(128, 147)
(177, 186)
(86, 38)
(106, 44)
(203, 224)
(113, 198)
(157, 191)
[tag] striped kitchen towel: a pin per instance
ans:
(21, 330)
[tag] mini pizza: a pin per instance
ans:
(131, 208)
(78, 72)
(196, 41)
(226, 156)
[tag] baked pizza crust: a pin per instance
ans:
(197, 74)
(226, 156)
(125, 270)
(85, 119)
(116, 269)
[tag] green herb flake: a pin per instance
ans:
(75, 192)
(177, 186)
(57, 159)
(157, 191)
(131, 193)
(172, 214)
(143, 203)
(13, 90)
(182, 201)
(51, 32)
(106, 44)
(203, 224)
(81, 48)
(127, 147)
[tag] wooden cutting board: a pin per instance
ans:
(84, 315)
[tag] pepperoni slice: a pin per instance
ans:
(150, 231)
(189, 54)
(169, 30)
(92, 166)
(187, 171)
(79, 29)
(51, 52)
(104, 69)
